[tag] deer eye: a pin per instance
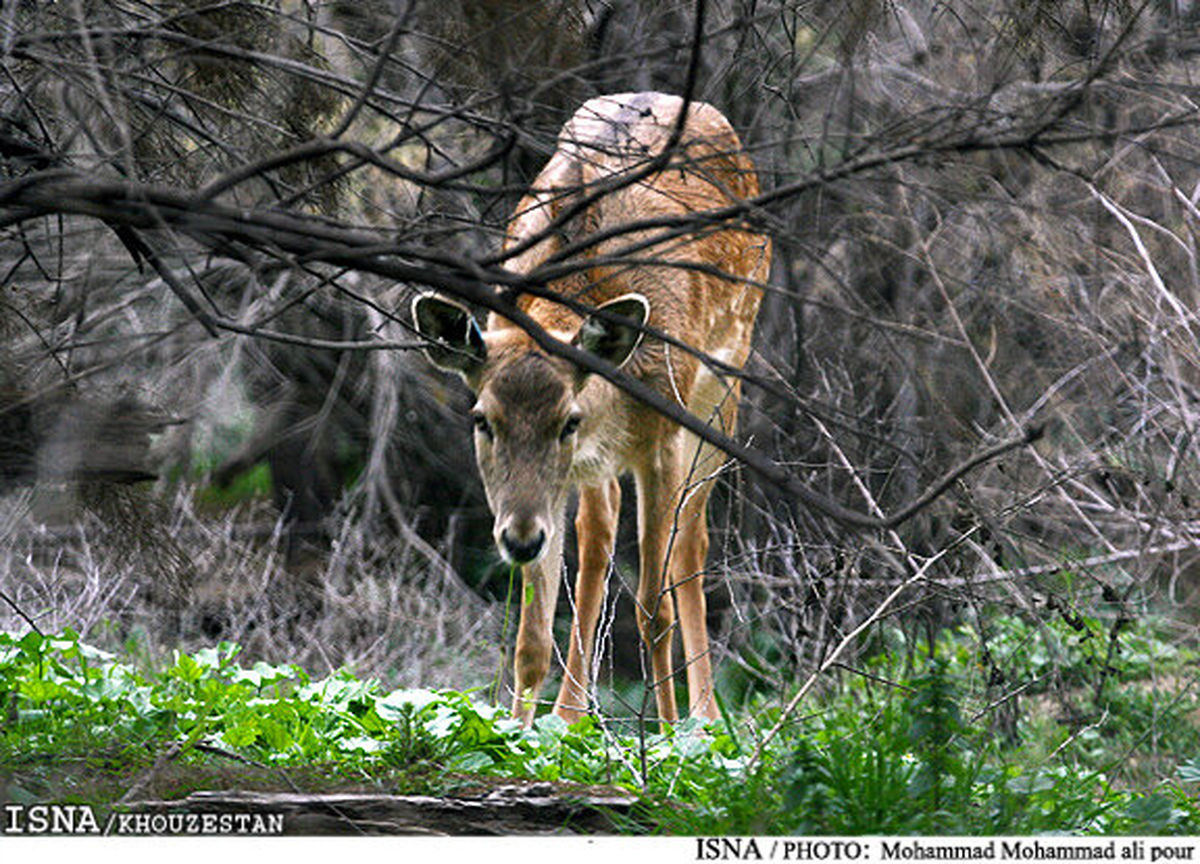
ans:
(570, 427)
(482, 426)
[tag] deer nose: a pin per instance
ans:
(521, 551)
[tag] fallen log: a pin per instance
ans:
(517, 809)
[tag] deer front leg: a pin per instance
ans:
(595, 532)
(535, 633)
(658, 489)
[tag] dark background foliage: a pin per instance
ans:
(213, 216)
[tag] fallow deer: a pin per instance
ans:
(543, 428)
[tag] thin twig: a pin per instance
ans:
(833, 657)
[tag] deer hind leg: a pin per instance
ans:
(658, 482)
(596, 532)
(535, 636)
(687, 580)
(701, 464)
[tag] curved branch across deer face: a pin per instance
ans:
(544, 428)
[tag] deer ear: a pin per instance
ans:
(455, 340)
(611, 339)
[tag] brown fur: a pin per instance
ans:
(526, 399)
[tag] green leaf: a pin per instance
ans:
(242, 735)
(275, 735)
(1189, 772)
(399, 701)
(1150, 813)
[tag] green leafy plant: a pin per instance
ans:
(917, 756)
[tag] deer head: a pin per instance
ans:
(531, 413)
